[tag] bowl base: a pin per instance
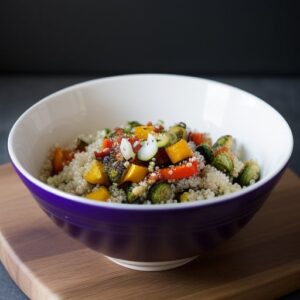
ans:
(152, 266)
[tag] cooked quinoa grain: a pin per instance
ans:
(150, 155)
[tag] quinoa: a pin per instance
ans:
(70, 179)
(217, 182)
(117, 195)
(204, 180)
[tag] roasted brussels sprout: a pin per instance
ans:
(81, 145)
(133, 124)
(184, 197)
(223, 162)
(115, 171)
(206, 151)
(160, 192)
(131, 197)
(179, 131)
(249, 174)
(224, 141)
(130, 125)
(162, 140)
(182, 124)
(172, 138)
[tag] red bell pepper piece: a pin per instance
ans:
(107, 143)
(135, 143)
(179, 172)
(197, 137)
(104, 152)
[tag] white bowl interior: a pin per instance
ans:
(260, 132)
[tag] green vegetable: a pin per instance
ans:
(81, 144)
(115, 171)
(160, 192)
(130, 125)
(105, 132)
(179, 131)
(206, 151)
(162, 140)
(225, 140)
(133, 124)
(131, 197)
(172, 138)
(223, 162)
(184, 197)
(249, 174)
(182, 124)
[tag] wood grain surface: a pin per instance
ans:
(260, 262)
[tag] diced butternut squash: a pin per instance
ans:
(58, 160)
(96, 174)
(61, 158)
(135, 173)
(101, 194)
(142, 132)
(179, 151)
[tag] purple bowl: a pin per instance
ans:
(150, 237)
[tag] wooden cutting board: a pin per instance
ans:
(261, 262)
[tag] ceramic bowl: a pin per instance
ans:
(151, 237)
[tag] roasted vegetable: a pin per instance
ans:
(81, 145)
(179, 151)
(182, 124)
(223, 162)
(115, 171)
(220, 149)
(142, 132)
(179, 172)
(161, 158)
(130, 125)
(61, 158)
(225, 140)
(96, 174)
(131, 197)
(249, 174)
(172, 138)
(206, 151)
(100, 155)
(135, 173)
(101, 194)
(133, 124)
(126, 149)
(184, 197)
(149, 149)
(107, 143)
(160, 192)
(197, 138)
(162, 140)
(179, 131)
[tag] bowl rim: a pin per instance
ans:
(168, 206)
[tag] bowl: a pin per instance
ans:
(151, 237)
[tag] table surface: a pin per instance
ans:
(17, 93)
(261, 262)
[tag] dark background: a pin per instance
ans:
(47, 45)
(117, 36)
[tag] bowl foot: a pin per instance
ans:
(152, 266)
